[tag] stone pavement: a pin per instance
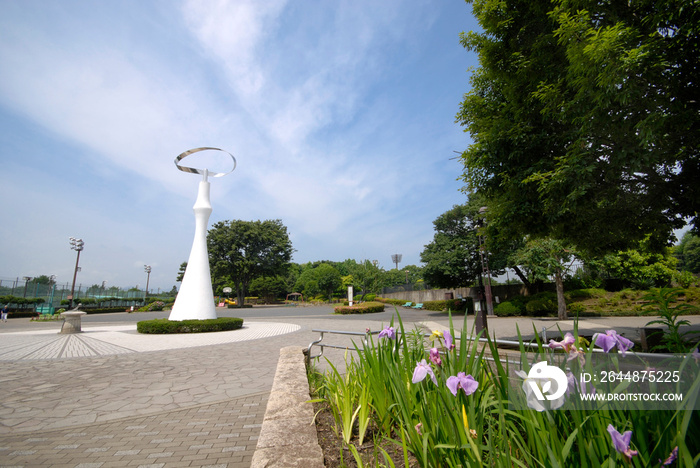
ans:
(113, 397)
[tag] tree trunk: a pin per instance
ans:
(524, 279)
(241, 295)
(561, 302)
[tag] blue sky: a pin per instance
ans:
(340, 115)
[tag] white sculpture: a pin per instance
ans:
(195, 300)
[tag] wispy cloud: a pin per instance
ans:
(320, 103)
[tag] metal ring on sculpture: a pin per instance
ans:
(193, 170)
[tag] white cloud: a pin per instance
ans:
(304, 94)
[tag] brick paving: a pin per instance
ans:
(220, 434)
(110, 397)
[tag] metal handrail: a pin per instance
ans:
(484, 340)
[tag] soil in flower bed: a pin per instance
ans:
(371, 455)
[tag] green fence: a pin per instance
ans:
(28, 294)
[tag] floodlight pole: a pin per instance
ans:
(147, 269)
(78, 245)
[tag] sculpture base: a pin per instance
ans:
(72, 322)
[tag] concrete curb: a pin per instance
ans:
(288, 435)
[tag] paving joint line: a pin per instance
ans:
(126, 418)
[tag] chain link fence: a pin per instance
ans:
(21, 292)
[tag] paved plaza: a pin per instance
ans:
(112, 397)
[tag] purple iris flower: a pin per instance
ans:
(622, 442)
(449, 341)
(422, 369)
(388, 332)
(612, 339)
(567, 343)
(465, 382)
(435, 357)
(671, 458)
(696, 354)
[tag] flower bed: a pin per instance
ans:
(449, 406)
(364, 308)
(164, 326)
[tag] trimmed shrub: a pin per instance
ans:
(577, 308)
(390, 301)
(541, 307)
(455, 305)
(154, 306)
(579, 294)
(364, 308)
(507, 309)
(165, 326)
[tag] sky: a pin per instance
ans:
(341, 117)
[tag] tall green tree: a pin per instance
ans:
(181, 272)
(453, 258)
(547, 258)
(269, 287)
(584, 117)
(329, 279)
(240, 251)
(688, 252)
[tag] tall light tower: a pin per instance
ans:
(77, 245)
(396, 258)
(147, 268)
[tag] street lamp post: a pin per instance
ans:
(485, 298)
(77, 245)
(147, 268)
(26, 279)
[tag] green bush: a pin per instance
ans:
(22, 302)
(580, 294)
(576, 308)
(507, 309)
(390, 301)
(541, 307)
(364, 308)
(165, 326)
(454, 305)
(684, 279)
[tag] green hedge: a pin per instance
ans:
(364, 308)
(455, 305)
(387, 300)
(163, 326)
(541, 307)
(507, 309)
(24, 302)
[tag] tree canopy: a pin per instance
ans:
(240, 251)
(452, 259)
(584, 118)
(688, 252)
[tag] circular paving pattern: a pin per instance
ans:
(123, 339)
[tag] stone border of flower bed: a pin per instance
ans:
(288, 436)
